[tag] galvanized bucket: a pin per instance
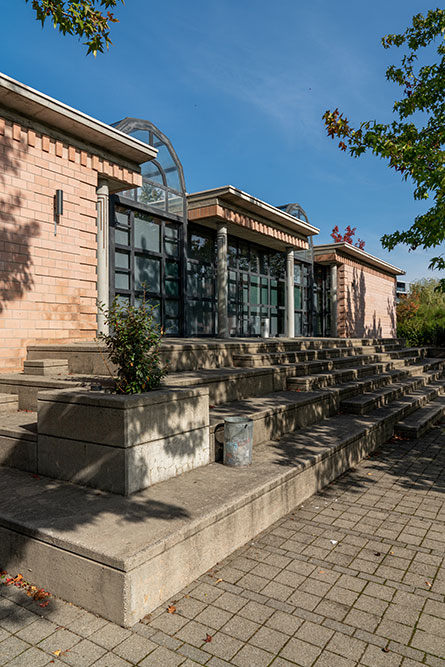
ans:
(238, 439)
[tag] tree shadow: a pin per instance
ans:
(16, 276)
(356, 323)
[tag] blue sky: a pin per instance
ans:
(240, 86)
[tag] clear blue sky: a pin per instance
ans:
(240, 87)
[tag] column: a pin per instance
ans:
(103, 269)
(290, 302)
(334, 300)
(222, 281)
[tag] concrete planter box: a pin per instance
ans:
(122, 443)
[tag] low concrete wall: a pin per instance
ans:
(122, 443)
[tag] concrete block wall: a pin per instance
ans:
(47, 281)
(366, 301)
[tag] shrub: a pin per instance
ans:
(133, 345)
(421, 314)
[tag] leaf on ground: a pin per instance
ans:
(218, 581)
(171, 609)
(208, 638)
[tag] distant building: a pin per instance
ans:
(402, 289)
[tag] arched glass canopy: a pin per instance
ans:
(163, 185)
(295, 210)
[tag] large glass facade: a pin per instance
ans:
(257, 278)
(322, 300)
(148, 233)
(201, 282)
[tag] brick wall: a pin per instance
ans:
(47, 281)
(366, 301)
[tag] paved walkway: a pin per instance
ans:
(354, 577)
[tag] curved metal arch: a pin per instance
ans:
(292, 207)
(128, 125)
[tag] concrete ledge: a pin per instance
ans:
(153, 544)
(122, 443)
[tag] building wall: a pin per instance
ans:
(47, 281)
(366, 302)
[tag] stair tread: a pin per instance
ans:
(423, 414)
(260, 405)
(22, 423)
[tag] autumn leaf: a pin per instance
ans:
(218, 581)
(171, 609)
(208, 638)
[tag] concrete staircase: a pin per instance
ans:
(318, 406)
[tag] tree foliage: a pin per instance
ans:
(347, 237)
(421, 314)
(85, 18)
(414, 143)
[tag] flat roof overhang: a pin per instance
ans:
(33, 104)
(239, 200)
(361, 256)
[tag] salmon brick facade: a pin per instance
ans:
(366, 302)
(48, 275)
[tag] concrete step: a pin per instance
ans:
(175, 530)
(324, 380)
(28, 386)
(369, 401)
(8, 403)
(18, 440)
(422, 419)
(46, 367)
(231, 384)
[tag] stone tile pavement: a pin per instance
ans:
(355, 577)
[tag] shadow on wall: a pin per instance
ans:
(15, 254)
(355, 313)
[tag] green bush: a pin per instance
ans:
(133, 345)
(421, 315)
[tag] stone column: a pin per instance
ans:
(290, 302)
(103, 266)
(222, 281)
(334, 333)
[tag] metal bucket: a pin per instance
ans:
(238, 439)
(265, 327)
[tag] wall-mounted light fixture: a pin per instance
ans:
(58, 208)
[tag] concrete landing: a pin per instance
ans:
(125, 556)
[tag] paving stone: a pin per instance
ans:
(425, 641)
(135, 648)
(162, 657)
(299, 652)
(230, 602)
(83, 654)
(349, 647)
(375, 657)
(256, 612)
(284, 622)
(269, 639)
(314, 634)
(35, 632)
(59, 641)
(10, 648)
(110, 635)
(85, 624)
(252, 655)
(193, 653)
(111, 660)
(240, 627)
(189, 607)
(33, 657)
(328, 659)
(223, 646)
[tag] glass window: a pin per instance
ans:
(152, 195)
(150, 171)
(171, 308)
(147, 273)
(121, 260)
(171, 269)
(171, 288)
(201, 247)
(147, 233)
(122, 280)
(121, 237)
(121, 217)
